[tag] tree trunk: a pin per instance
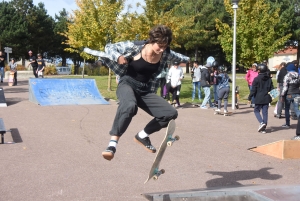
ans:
(187, 65)
(109, 80)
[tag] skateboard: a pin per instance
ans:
(11, 78)
(167, 141)
(274, 93)
(225, 114)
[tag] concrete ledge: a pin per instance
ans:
(22, 74)
(244, 193)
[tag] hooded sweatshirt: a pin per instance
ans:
(261, 87)
(291, 84)
(250, 76)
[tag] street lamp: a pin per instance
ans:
(235, 7)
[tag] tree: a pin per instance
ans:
(93, 25)
(257, 36)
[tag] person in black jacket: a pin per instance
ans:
(261, 87)
(282, 73)
(205, 84)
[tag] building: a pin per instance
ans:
(284, 55)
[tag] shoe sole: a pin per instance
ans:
(262, 128)
(108, 155)
(149, 150)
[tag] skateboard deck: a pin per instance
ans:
(167, 141)
(222, 113)
(274, 93)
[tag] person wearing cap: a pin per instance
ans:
(2, 59)
(138, 64)
(13, 68)
(205, 84)
(251, 74)
(175, 76)
(33, 63)
(290, 93)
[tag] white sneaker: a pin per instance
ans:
(217, 110)
(225, 111)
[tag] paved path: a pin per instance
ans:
(58, 154)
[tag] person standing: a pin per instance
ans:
(2, 59)
(279, 77)
(261, 87)
(175, 75)
(205, 84)
(251, 74)
(162, 80)
(33, 63)
(223, 88)
(196, 71)
(214, 81)
(138, 65)
(13, 68)
(290, 91)
(41, 66)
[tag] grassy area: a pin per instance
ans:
(186, 88)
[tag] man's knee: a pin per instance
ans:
(128, 107)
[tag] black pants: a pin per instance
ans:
(133, 95)
(174, 91)
(15, 78)
(34, 72)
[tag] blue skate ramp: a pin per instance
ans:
(64, 92)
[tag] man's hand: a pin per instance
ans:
(122, 60)
(249, 102)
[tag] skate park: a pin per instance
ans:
(57, 155)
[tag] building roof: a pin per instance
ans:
(287, 51)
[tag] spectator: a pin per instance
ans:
(196, 72)
(214, 79)
(175, 76)
(13, 68)
(279, 77)
(41, 66)
(2, 59)
(261, 87)
(162, 80)
(290, 91)
(251, 74)
(33, 63)
(205, 84)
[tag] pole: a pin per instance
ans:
(83, 68)
(235, 6)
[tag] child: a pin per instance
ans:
(175, 76)
(196, 76)
(13, 67)
(41, 66)
(261, 86)
(223, 88)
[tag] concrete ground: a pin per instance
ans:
(58, 152)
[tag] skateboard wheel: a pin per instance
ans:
(170, 143)
(177, 137)
(162, 171)
(155, 177)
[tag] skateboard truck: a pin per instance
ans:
(172, 140)
(157, 173)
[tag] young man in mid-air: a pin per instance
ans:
(138, 65)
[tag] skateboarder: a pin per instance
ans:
(261, 86)
(223, 88)
(138, 65)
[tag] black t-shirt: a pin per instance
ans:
(34, 64)
(141, 70)
(40, 63)
(2, 61)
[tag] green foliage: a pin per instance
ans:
(103, 70)
(50, 70)
(257, 37)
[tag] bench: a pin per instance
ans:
(2, 130)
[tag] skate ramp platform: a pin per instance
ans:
(246, 193)
(46, 92)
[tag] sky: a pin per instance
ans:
(54, 6)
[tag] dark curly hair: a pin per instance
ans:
(160, 34)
